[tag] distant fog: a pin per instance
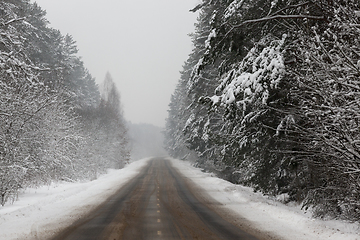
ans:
(146, 141)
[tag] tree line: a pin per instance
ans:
(269, 97)
(54, 123)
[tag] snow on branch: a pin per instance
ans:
(259, 71)
(14, 20)
(233, 8)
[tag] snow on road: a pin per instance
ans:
(43, 211)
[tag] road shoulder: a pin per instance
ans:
(40, 213)
(258, 214)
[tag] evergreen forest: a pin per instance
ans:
(269, 97)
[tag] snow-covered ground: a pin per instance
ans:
(287, 222)
(42, 211)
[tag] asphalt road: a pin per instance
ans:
(157, 204)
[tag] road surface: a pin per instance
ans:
(157, 204)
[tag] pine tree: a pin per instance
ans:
(280, 82)
(278, 88)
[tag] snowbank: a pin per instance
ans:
(40, 212)
(287, 222)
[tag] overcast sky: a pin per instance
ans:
(142, 43)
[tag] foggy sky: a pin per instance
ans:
(143, 44)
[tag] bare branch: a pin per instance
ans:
(47, 101)
(290, 6)
(269, 18)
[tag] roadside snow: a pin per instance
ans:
(42, 211)
(287, 222)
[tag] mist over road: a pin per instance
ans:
(157, 204)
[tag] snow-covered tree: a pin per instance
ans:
(188, 126)
(286, 87)
(44, 92)
(108, 144)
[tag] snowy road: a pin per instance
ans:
(156, 204)
(44, 212)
